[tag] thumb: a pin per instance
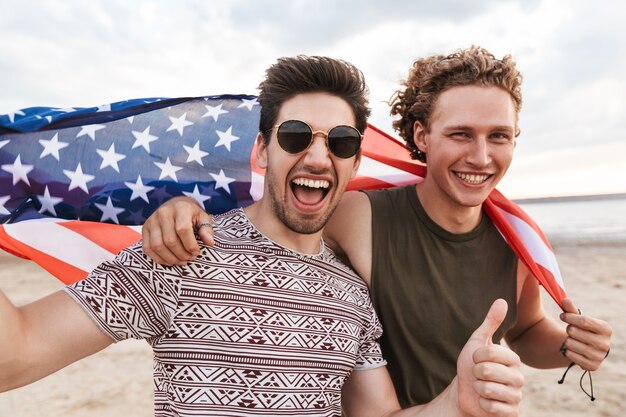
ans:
(569, 306)
(495, 316)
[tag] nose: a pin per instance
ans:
(318, 154)
(479, 154)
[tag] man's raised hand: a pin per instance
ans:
(489, 376)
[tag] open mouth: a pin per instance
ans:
(308, 191)
(474, 179)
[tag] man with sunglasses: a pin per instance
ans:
(268, 321)
(433, 261)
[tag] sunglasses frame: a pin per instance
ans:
(315, 132)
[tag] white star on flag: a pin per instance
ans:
(195, 154)
(18, 170)
(90, 130)
(3, 201)
(222, 181)
(226, 138)
(78, 179)
(110, 158)
(143, 139)
(3, 142)
(130, 119)
(104, 107)
(168, 170)
(179, 124)
(139, 190)
(109, 211)
(48, 202)
(214, 111)
(52, 147)
(249, 104)
(200, 198)
(13, 114)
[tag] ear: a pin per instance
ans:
(261, 152)
(419, 136)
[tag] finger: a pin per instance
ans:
(205, 233)
(498, 392)
(594, 340)
(185, 237)
(172, 248)
(498, 373)
(496, 354)
(584, 349)
(160, 254)
(147, 248)
(582, 361)
(495, 316)
(587, 323)
(498, 408)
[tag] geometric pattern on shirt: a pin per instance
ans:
(248, 328)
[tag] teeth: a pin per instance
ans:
(472, 178)
(311, 183)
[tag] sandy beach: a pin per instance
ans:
(117, 381)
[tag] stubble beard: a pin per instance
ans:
(305, 224)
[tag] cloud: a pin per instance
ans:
(75, 53)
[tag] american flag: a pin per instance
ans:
(76, 183)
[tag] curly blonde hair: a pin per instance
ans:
(431, 76)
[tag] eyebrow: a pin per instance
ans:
(499, 128)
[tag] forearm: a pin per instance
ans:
(42, 337)
(539, 345)
(11, 340)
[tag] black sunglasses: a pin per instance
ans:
(295, 136)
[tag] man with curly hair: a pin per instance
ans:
(433, 261)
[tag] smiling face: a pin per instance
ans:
(469, 146)
(305, 188)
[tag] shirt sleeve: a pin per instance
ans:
(370, 355)
(130, 296)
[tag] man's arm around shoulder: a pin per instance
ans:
(349, 232)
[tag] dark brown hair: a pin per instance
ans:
(291, 76)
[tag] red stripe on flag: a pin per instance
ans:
(383, 148)
(553, 288)
(111, 237)
(507, 205)
(544, 276)
(65, 272)
(7, 243)
(367, 183)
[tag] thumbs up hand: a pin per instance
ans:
(488, 375)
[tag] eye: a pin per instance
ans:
(500, 137)
(460, 135)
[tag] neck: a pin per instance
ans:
(449, 215)
(263, 218)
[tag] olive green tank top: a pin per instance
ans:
(432, 289)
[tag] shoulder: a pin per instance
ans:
(351, 218)
(349, 231)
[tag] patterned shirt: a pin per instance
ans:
(249, 328)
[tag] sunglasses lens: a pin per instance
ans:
(294, 136)
(344, 141)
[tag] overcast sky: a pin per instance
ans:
(572, 53)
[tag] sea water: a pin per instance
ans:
(580, 220)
